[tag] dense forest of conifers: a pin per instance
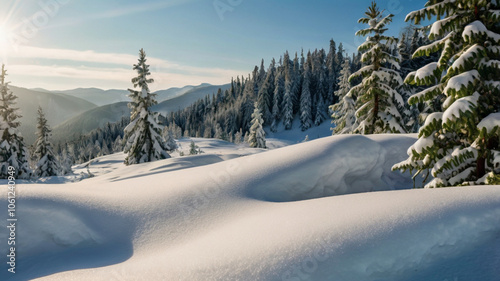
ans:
(277, 89)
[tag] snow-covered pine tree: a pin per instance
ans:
(238, 137)
(47, 165)
(410, 113)
(177, 131)
(207, 133)
(247, 104)
(344, 112)
(218, 132)
(320, 110)
(340, 56)
(13, 151)
(194, 149)
(257, 137)
(279, 88)
(296, 76)
(170, 142)
(65, 163)
(287, 107)
(143, 141)
(118, 144)
(105, 149)
(246, 137)
(265, 96)
(261, 77)
(305, 101)
(375, 94)
(97, 149)
(331, 64)
(461, 145)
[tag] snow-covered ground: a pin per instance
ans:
(299, 212)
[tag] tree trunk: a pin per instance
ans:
(491, 143)
(480, 167)
(375, 112)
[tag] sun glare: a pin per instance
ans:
(5, 36)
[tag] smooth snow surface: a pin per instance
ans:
(215, 216)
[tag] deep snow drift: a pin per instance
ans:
(235, 213)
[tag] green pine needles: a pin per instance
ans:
(143, 141)
(459, 145)
(377, 101)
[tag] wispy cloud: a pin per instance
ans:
(160, 65)
(75, 77)
(141, 7)
(87, 66)
(74, 55)
(114, 74)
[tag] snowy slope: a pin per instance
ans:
(215, 216)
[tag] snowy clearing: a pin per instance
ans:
(235, 213)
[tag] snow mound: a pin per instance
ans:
(350, 164)
(218, 219)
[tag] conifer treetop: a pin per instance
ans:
(142, 69)
(8, 99)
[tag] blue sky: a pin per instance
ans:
(63, 44)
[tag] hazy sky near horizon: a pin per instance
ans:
(65, 44)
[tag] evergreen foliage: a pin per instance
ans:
(143, 141)
(227, 112)
(170, 142)
(344, 112)
(47, 164)
(459, 145)
(65, 163)
(376, 98)
(194, 149)
(13, 151)
(305, 101)
(257, 134)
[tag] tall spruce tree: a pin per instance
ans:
(47, 164)
(279, 88)
(169, 139)
(305, 101)
(320, 111)
(13, 151)
(257, 137)
(331, 64)
(344, 112)
(376, 94)
(288, 95)
(461, 144)
(265, 95)
(143, 141)
(65, 163)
